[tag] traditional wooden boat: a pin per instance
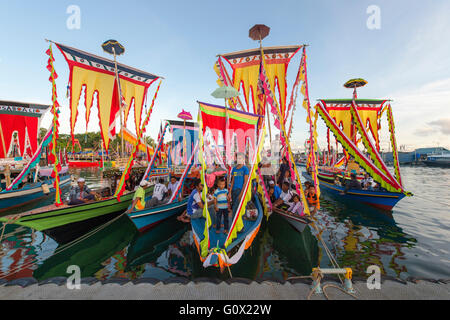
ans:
(299, 249)
(380, 199)
(298, 222)
(31, 192)
(84, 164)
(227, 249)
(346, 118)
(61, 221)
(65, 223)
(149, 217)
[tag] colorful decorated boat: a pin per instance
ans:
(259, 72)
(241, 129)
(355, 124)
(117, 85)
(65, 223)
(20, 152)
(149, 217)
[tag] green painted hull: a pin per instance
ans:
(90, 253)
(63, 216)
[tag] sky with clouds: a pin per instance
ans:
(406, 60)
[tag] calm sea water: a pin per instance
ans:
(412, 241)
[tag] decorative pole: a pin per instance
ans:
(115, 48)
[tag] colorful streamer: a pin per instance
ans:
(55, 125)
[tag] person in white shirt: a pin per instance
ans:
(159, 192)
(367, 182)
(285, 196)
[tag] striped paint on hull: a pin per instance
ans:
(148, 218)
(377, 199)
(17, 198)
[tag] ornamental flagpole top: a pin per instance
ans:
(259, 32)
(113, 47)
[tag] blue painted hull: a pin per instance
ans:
(378, 199)
(215, 239)
(147, 218)
(28, 194)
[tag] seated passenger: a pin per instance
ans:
(352, 184)
(366, 183)
(313, 200)
(285, 196)
(195, 204)
(159, 192)
(296, 206)
(172, 187)
(337, 182)
(80, 193)
(139, 197)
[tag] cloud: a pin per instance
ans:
(442, 124)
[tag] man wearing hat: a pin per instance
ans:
(80, 193)
(139, 197)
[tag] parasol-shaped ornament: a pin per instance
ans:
(355, 83)
(185, 115)
(259, 32)
(225, 92)
(113, 47)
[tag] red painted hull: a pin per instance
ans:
(84, 164)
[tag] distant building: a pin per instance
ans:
(419, 154)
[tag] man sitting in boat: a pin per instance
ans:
(313, 200)
(274, 191)
(352, 184)
(159, 191)
(285, 196)
(80, 193)
(139, 197)
(195, 204)
(367, 182)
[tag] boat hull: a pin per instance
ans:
(66, 223)
(84, 164)
(436, 163)
(297, 222)
(243, 240)
(18, 198)
(380, 200)
(148, 218)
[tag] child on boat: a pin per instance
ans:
(296, 206)
(222, 206)
(313, 200)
